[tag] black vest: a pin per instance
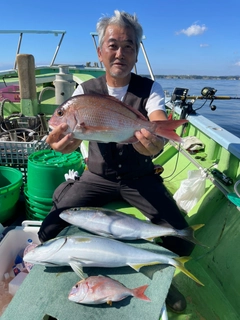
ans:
(119, 161)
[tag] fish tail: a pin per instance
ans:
(167, 128)
(179, 263)
(139, 293)
(188, 234)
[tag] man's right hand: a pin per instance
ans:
(61, 142)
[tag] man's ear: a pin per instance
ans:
(99, 54)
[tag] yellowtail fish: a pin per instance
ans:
(105, 119)
(118, 225)
(95, 251)
(100, 289)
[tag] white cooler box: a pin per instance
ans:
(14, 241)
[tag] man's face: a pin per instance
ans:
(118, 52)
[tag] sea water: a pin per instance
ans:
(227, 113)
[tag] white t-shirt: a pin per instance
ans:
(156, 100)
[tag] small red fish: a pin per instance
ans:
(100, 289)
(105, 119)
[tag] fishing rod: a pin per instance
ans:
(207, 93)
(203, 98)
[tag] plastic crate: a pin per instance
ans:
(16, 153)
(11, 93)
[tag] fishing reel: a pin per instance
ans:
(209, 93)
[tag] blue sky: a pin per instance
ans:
(182, 36)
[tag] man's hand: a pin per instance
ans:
(60, 142)
(148, 144)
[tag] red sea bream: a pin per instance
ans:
(100, 289)
(105, 119)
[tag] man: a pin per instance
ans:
(118, 171)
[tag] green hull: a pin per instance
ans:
(216, 266)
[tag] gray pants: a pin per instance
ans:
(146, 193)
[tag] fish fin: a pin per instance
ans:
(188, 234)
(165, 128)
(77, 268)
(81, 127)
(140, 265)
(151, 239)
(139, 293)
(179, 263)
(109, 302)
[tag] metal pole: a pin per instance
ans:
(18, 49)
(95, 44)
(147, 61)
(57, 49)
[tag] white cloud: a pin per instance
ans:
(237, 64)
(193, 30)
(202, 45)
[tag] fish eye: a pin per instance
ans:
(76, 286)
(60, 112)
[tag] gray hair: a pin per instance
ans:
(122, 19)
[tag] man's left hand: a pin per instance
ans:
(148, 144)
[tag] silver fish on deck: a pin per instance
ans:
(95, 251)
(100, 289)
(105, 119)
(118, 225)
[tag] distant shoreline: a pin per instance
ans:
(159, 76)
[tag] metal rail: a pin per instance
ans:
(21, 32)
